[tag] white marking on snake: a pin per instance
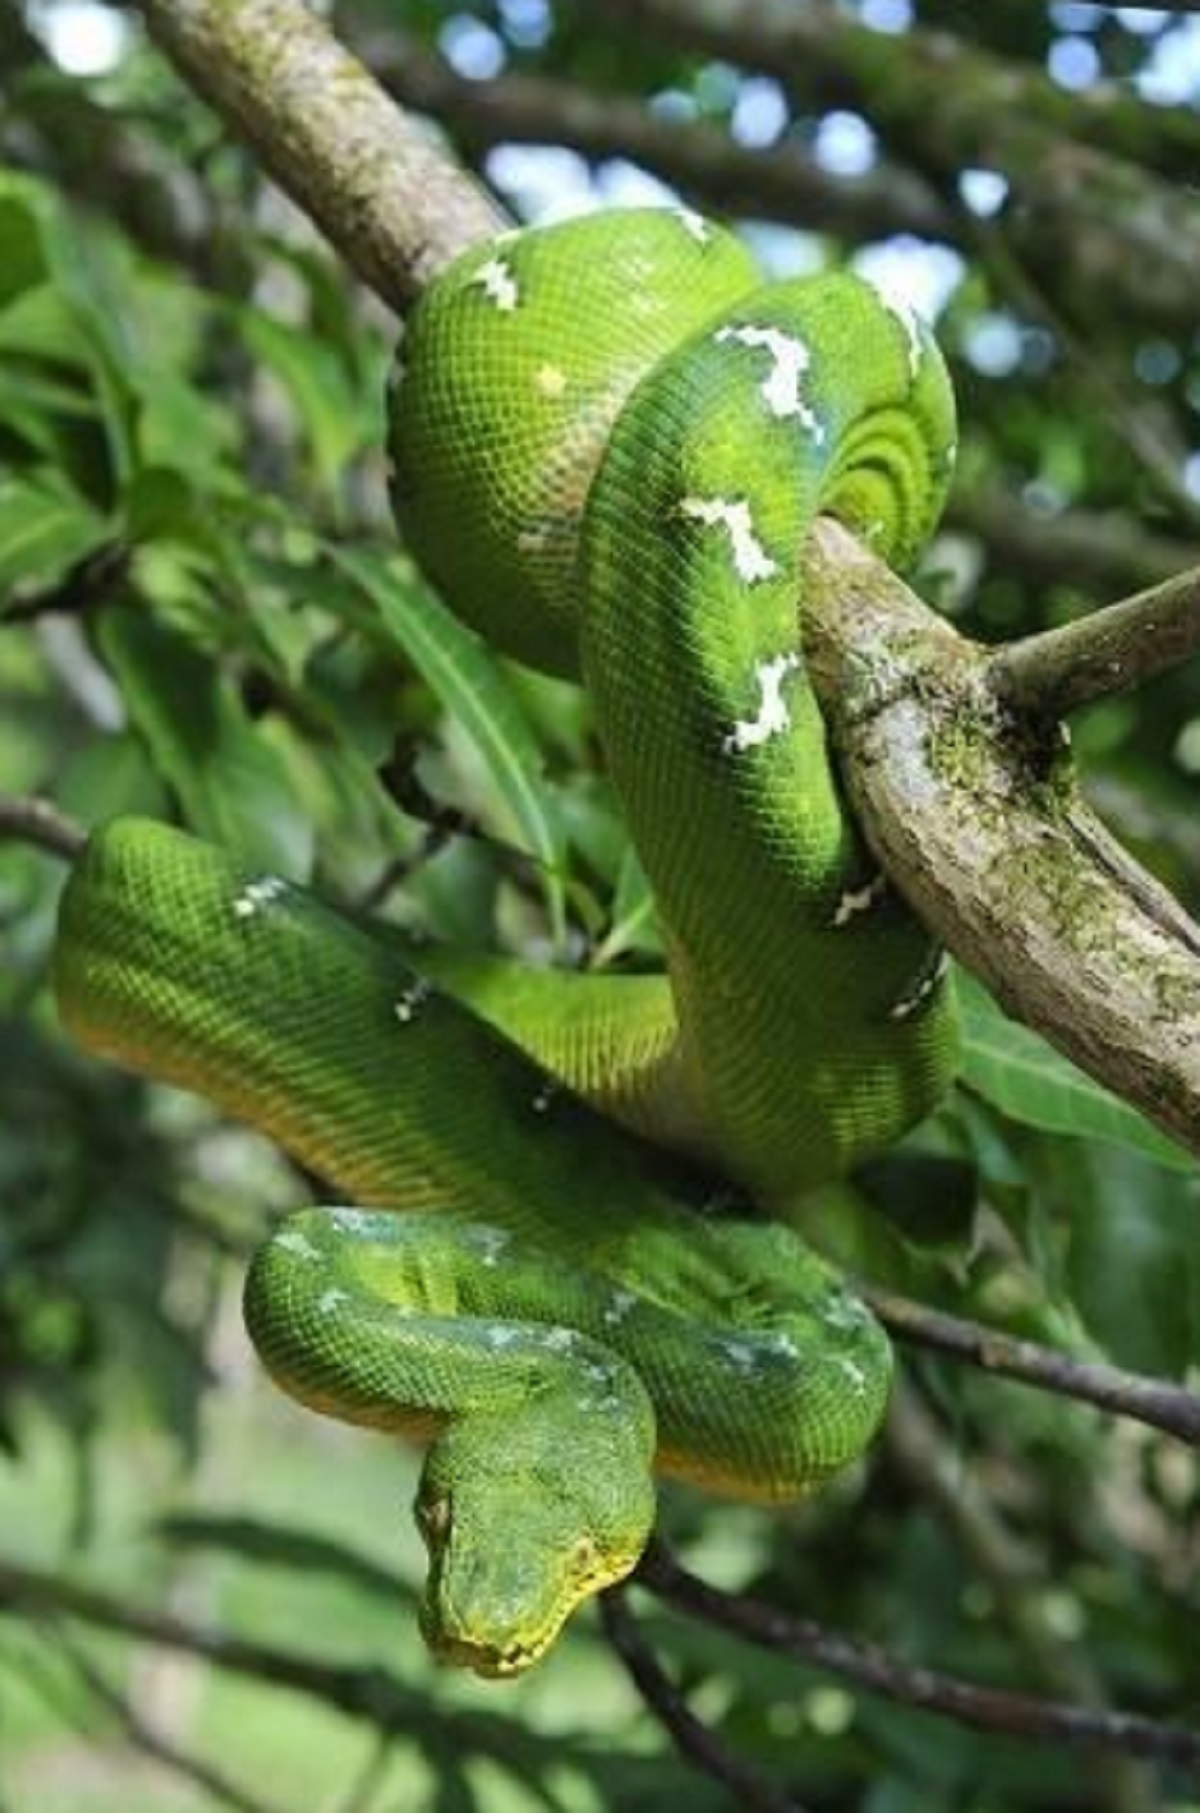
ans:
(619, 1306)
(781, 1342)
(733, 515)
(908, 1004)
(498, 284)
(558, 1340)
(550, 380)
(745, 1357)
(910, 321)
(293, 1241)
(695, 224)
(257, 894)
(853, 1372)
(352, 1221)
(329, 1300)
(412, 1000)
(790, 360)
(844, 1312)
(860, 900)
(501, 1336)
(773, 715)
(489, 1243)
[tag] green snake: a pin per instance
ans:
(609, 438)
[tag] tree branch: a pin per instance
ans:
(1091, 220)
(39, 822)
(1106, 551)
(966, 808)
(785, 183)
(1163, 1406)
(975, 817)
(213, 1782)
(1110, 651)
(877, 1671)
(692, 1739)
(361, 1692)
(396, 208)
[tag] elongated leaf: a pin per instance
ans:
(233, 786)
(1016, 1071)
(323, 399)
(44, 528)
(634, 918)
(472, 686)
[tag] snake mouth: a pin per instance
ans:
(486, 1659)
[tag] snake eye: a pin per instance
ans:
(433, 1518)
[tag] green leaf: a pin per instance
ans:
(21, 262)
(316, 383)
(1018, 1073)
(1132, 1265)
(634, 917)
(44, 529)
(471, 685)
(233, 786)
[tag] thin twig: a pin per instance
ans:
(32, 820)
(1110, 651)
(360, 1691)
(202, 1774)
(878, 1671)
(1170, 1408)
(693, 1740)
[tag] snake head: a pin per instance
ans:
(524, 1516)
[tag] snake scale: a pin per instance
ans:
(609, 437)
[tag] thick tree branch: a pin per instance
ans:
(1163, 1406)
(973, 815)
(877, 1671)
(1110, 651)
(965, 806)
(786, 183)
(370, 177)
(1083, 216)
(963, 100)
(1103, 551)
(694, 1741)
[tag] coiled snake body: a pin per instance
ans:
(609, 440)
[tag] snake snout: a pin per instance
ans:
(524, 1516)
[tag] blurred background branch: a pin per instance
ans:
(190, 430)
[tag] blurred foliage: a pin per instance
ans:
(204, 616)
